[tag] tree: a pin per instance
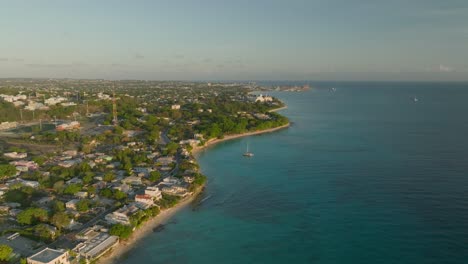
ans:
(72, 189)
(5, 252)
(172, 148)
(119, 195)
(154, 176)
(108, 177)
(44, 232)
(122, 231)
(6, 171)
(60, 220)
(106, 192)
(82, 205)
(40, 160)
(31, 215)
(58, 206)
(88, 177)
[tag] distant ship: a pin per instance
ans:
(415, 99)
(248, 153)
(333, 89)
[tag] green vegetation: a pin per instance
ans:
(168, 201)
(154, 176)
(122, 231)
(6, 171)
(5, 252)
(31, 216)
(60, 220)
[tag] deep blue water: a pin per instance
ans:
(364, 175)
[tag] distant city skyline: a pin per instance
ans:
(423, 40)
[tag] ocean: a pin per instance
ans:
(364, 175)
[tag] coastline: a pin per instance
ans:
(146, 228)
(211, 142)
(164, 216)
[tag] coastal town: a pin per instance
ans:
(86, 163)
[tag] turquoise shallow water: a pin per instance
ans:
(364, 175)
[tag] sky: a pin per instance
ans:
(420, 40)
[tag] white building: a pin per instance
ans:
(96, 245)
(54, 100)
(175, 107)
(15, 155)
(263, 99)
(49, 256)
(122, 215)
(8, 125)
(154, 192)
(71, 204)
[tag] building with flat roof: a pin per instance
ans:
(96, 245)
(49, 256)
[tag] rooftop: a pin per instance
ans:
(46, 255)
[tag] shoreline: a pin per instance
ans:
(164, 216)
(145, 229)
(212, 142)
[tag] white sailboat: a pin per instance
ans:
(248, 153)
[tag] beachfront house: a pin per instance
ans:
(122, 215)
(96, 245)
(49, 256)
(144, 201)
(154, 192)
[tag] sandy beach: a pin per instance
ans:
(212, 142)
(147, 228)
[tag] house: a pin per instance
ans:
(8, 125)
(191, 142)
(70, 153)
(33, 184)
(96, 245)
(81, 195)
(154, 192)
(132, 180)
(24, 163)
(177, 190)
(145, 199)
(44, 200)
(49, 256)
(15, 155)
(263, 99)
(74, 180)
(54, 100)
(165, 160)
(69, 163)
(71, 204)
(175, 107)
(169, 181)
(122, 215)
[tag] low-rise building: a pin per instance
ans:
(8, 125)
(97, 244)
(49, 256)
(71, 204)
(154, 192)
(145, 199)
(15, 155)
(122, 215)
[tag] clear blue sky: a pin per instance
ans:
(235, 40)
